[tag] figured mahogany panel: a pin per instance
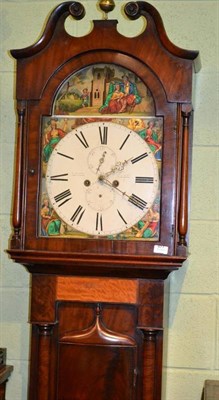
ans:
(43, 298)
(91, 289)
(48, 289)
(100, 373)
(78, 316)
(151, 297)
(97, 362)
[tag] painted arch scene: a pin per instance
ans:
(103, 89)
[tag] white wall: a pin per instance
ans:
(193, 332)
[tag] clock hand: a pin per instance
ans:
(101, 160)
(135, 200)
(113, 184)
(119, 166)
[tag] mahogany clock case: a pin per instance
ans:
(167, 72)
(97, 302)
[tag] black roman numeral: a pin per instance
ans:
(123, 219)
(123, 143)
(137, 201)
(65, 155)
(103, 134)
(66, 196)
(139, 158)
(61, 177)
(144, 179)
(99, 222)
(82, 139)
(78, 214)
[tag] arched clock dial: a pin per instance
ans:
(102, 178)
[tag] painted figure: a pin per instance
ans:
(122, 97)
(50, 224)
(131, 93)
(45, 216)
(115, 101)
(153, 140)
(85, 98)
(52, 138)
(149, 227)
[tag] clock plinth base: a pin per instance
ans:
(88, 324)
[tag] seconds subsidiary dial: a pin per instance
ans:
(102, 178)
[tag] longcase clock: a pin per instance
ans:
(101, 200)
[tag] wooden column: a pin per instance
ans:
(18, 185)
(44, 357)
(149, 364)
(184, 186)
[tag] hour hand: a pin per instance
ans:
(118, 167)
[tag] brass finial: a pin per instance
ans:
(106, 6)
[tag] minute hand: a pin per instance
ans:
(135, 200)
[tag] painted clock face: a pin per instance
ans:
(102, 178)
(101, 153)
